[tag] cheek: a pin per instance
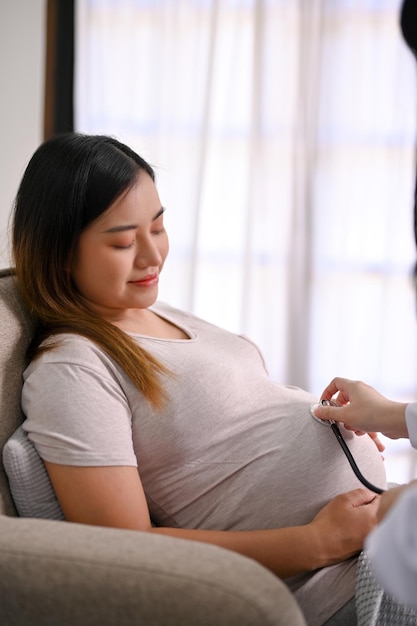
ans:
(91, 267)
(112, 267)
(83, 260)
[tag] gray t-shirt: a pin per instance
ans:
(230, 450)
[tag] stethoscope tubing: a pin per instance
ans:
(335, 428)
(352, 462)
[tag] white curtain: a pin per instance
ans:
(283, 135)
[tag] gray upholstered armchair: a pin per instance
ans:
(57, 573)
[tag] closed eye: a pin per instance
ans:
(126, 247)
(158, 223)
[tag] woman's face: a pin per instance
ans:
(121, 254)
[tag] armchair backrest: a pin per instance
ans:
(16, 330)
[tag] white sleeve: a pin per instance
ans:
(392, 548)
(411, 421)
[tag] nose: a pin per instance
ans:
(148, 254)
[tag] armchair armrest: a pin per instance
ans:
(59, 573)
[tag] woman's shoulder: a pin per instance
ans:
(73, 350)
(68, 343)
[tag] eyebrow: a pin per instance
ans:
(124, 227)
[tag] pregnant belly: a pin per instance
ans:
(311, 469)
(274, 473)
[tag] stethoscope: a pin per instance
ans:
(335, 428)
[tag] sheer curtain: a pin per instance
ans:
(283, 136)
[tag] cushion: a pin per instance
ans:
(29, 482)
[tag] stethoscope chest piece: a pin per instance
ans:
(314, 406)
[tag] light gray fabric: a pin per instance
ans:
(346, 616)
(374, 606)
(29, 482)
(230, 450)
(61, 574)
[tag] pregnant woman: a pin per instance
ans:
(152, 419)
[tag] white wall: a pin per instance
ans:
(22, 59)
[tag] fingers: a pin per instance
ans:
(374, 436)
(361, 496)
(338, 386)
(328, 413)
(363, 408)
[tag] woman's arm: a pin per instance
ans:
(114, 496)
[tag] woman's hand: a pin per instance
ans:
(363, 409)
(342, 525)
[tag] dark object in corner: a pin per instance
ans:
(408, 22)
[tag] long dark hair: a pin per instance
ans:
(69, 182)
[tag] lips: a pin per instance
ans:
(151, 279)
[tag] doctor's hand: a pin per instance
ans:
(363, 409)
